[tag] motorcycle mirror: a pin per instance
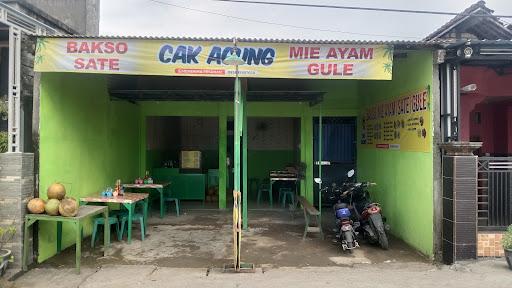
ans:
(351, 173)
(318, 181)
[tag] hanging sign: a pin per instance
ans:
(400, 124)
(205, 59)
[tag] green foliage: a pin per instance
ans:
(6, 234)
(388, 52)
(3, 109)
(506, 241)
(388, 67)
(3, 142)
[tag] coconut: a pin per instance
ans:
(52, 207)
(68, 207)
(36, 206)
(56, 191)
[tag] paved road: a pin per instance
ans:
(491, 273)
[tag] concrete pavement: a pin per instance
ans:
(478, 274)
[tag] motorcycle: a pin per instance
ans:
(345, 226)
(369, 213)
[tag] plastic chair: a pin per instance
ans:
(169, 198)
(213, 177)
(137, 218)
(112, 220)
(285, 193)
(265, 187)
(253, 182)
(176, 204)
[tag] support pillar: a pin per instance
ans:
(245, 189)
(459, 201)
(16, 189)
(306, 155)
(223, 165)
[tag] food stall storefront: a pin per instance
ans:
(114, 108)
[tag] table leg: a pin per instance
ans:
(271, 194)
(146, 204)
(78, 248)
(106, 233)
(131, 208)
(24, 259)
(296, 199)
(59, 237)
(161, 191)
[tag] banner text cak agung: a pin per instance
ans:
(202, 58)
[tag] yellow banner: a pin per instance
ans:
(400, 124)
(205, 59)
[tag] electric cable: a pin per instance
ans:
(362, 8)
(280, 24)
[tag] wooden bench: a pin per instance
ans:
(310, 211)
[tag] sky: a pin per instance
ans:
(150, 18)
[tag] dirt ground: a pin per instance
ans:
(190, 250)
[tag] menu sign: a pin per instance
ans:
(401, 124)
(190, 160)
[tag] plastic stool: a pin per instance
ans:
(283, 193)
(265, 187)
(137, 217)
(253, 182)
(176, 203)
(112, 220)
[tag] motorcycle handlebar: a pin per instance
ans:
(357, 184)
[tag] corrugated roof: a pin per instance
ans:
(255, 40)
(491, 26)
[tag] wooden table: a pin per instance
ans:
(152, 187)
(83, 212)
(128, 200)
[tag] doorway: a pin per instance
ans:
(338, 150)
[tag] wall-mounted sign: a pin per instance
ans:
(400, 124)
(204, 59)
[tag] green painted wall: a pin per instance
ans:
(404, 179)
(86, 142)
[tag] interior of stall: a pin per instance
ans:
(273, 144)
(184, 151)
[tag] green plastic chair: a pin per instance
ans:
(137, 218)
(213, 177)
(264, 187)
(112, 220)
(285, 193)
(171, 199)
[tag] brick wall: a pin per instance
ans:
(489, 244)
(16, 188)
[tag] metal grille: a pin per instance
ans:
(494, 192)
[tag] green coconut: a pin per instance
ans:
(68, 207)
(56, 191)
(36, 206)
(52, 207)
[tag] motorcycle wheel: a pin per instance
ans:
(383, 240)
(378, 225)
(349, 239)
